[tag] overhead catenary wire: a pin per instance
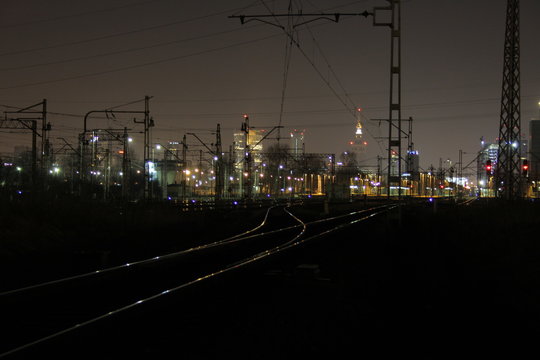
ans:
(286, 65)
(352, 103)
(137, 66)
(119, 52)
(290, 35)
(120, 34)
(141, 65)
(80, 14)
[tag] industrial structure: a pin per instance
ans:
(509, 183)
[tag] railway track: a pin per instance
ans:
(50, 314)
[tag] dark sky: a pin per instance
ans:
(203, 68)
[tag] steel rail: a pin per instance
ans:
(228, 268)
(138, 262)
(236, 238)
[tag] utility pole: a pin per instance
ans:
(45, 127)
(247, 157)
(230, 170)
(508, 184)
(45, 151)
(440, 177)
(148, 123)
(400, 133)
(333, 175)
(218, 170)
(30, 123)
(184, 170)
(74, 155)
(379, 179)
(410, 147)
(394, 114)
(431, 180)
(83, 142)
(126, 169)
(460, 175)
(217, 156)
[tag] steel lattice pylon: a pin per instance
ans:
(508, 179)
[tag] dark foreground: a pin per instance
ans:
(459, 283)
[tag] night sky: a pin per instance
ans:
(203, 68)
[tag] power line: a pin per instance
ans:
(136, 66)
(125, 33)
(271, 98)
(156, 62)
(86, 13)
(111, 53)
(286, 65)
(95, 56)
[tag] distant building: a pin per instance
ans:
(489, 152)
(534, 150)
(413, 164)
(297, 143)
(254, 144)
(358, 145)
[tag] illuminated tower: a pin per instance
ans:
(358, 145)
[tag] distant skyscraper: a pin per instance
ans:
(534, 150)
(358, 145)
(488, 152)
(254, 138)
(297, 142)
(413, 164)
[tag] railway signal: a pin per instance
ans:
(525, 168)
(488, 168)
